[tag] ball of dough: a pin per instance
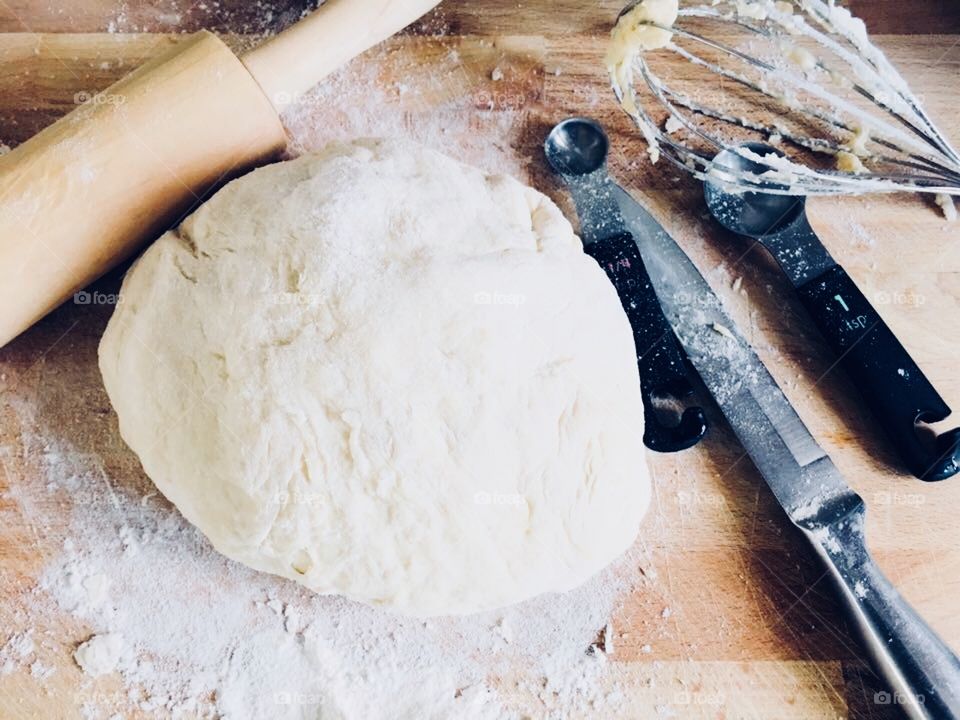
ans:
(379, 372)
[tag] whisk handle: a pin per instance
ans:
(897, 391)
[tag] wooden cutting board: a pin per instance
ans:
(753, 630)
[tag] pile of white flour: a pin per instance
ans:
(191, 633)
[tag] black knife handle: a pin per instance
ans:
(662, 366)
(896, 390)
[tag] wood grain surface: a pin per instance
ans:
(752, 620)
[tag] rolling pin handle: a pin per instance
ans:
(290, 64)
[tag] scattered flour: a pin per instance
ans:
(101, 654)
(41, 671)
(446, 109)
(860, 236)
(722, 330)
(193, 634)
(18, 648)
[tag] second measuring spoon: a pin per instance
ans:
(894, 387)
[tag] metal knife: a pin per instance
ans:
(919, 667)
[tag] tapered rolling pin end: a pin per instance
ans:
(86, 193)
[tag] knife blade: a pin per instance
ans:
(801, 475)
(919, 667)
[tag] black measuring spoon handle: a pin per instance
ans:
(894, 387)
(660, 359)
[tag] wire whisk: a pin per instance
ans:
(802, 76)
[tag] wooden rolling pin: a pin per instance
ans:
(87, 192)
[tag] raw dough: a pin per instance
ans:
(635, 32)
(801, 57)
(382, 373)
(946, 204)
(848, 162)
